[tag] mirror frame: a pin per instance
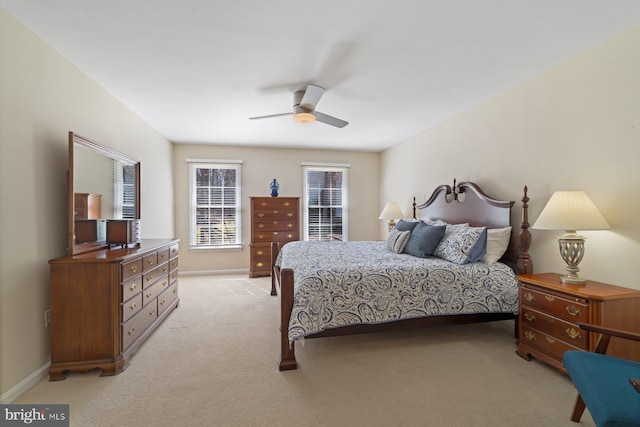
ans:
(73, 248)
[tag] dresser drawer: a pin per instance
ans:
(134, 327)
(149, 261)
(131, 269)
(569, 332)
(173, 264)
(572, 310)
(546, 343)
(150, 277)
(163, 255)
(154, 290)
(166, 298)
(275, 236)
(131, 288)
(275, 214)
(131, 307)
(277, 225)
(173, 251)
(274, 203)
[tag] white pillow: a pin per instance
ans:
(497, 243)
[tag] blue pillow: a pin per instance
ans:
(424, 239)
(404, 225)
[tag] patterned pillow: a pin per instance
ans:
(397, 240)
(424, 239)
(462, 244)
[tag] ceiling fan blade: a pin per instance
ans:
(330, 120)
(270, 116)
(311, 97)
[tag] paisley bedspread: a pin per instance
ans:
(345, 283)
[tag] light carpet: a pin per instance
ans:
(213, 362)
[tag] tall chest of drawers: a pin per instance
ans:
(273, 219)
(550, 312)
(105, 303)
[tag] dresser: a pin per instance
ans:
(273, 219)
(105, 303)
(550, 312)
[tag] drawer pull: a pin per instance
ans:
(259, 264)
(573, 334)
(287, 204)
(148, 278)
(175, 291)
(263, 204)
(290, 214)
(164, 269)
(133, 306)
(260, 215)
(550, 340)
(529, 296)
(149, 294)
(150, 261)
(131, 331)
(162, 302)
(134, 268)
(260, 225)
(260, 236)
(530, 335)
(164, 283)
(132, 287)
(290, 236)
(290, 225)
(275, 233)
(163, 255)
(572, 310)
(259, 253)
(152, 312)
(549, 298)
(174, 250)
(530, 317)
(275, 212)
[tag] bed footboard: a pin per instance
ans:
(282, 286)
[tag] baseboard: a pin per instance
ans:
(212, 272)
(24, 385)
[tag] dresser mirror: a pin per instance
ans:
(103, 185)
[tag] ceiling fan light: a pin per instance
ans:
(304, 118)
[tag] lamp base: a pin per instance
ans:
(392, 224)
(572, 250)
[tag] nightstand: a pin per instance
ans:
(550, 312)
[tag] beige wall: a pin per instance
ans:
(42, 98)
(260, 166)
(575, 126)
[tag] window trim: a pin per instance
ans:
(326, 167)
(195, 164)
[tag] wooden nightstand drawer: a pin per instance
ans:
(573, 310)
(547, 343)
(569, 332)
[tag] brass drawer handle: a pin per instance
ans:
(573, 334)
(529, 296)
(164, 283)
(259, 253)
(530, 317)
(572, 310)
(290, 225)
(149, 294)
(152, 312)
(290, 236)
(260, 215)
(550, 340)
(134, 268)
(175, 291)
(530, 335)
(174, 250)
(163, 255)
(259, 264)
(162, 302)
(133, 306)
(150, 261)
(132, 287)
(260, 236)
(148, 278)
(287, 204)
(549, 298)
(131, 331)
(164, 269)
(275, 233)
(263, 204)
(260, 225)
(290, 214)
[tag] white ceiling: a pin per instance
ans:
(197, 69)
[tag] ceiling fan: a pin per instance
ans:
(304, 108)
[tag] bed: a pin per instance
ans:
(342, 288)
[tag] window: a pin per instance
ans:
(124, 190)
(325, 202)
(215, 205)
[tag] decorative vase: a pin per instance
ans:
(274, 188)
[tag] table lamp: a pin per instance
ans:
(391, 212)
(571, 211)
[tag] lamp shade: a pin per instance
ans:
(391, 211)
(570, 210)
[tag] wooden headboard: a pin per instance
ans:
(465, 202)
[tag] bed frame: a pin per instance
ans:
(460, 203)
